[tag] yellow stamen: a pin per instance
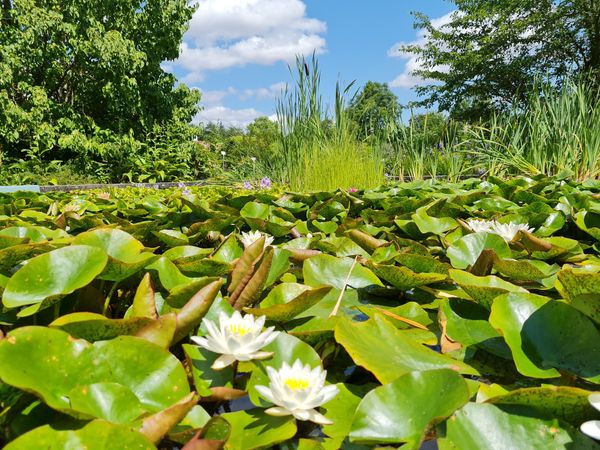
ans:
(238, 329)
(296, 383)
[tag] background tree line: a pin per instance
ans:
(83, 95)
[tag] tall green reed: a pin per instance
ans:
(322, 152)
(557, 133)
(419, 151)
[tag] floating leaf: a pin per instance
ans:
(403, 278)
(465, 251)
(54, 274)
(151, 373)
(567, 403)
(286, 311)
(483, 289)
(96, 435)
(402, 353)
(487, 427)
(327, 270)
(254, 429)
(435, 225)
(404, 409)
(545, 335)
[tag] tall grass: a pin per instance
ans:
(322, 152)
(558, 133)
(419, 152)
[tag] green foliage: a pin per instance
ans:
(558, 132)
(489, 54)
(373, 109)
(82, 82)
(428, 329)
(322, 152)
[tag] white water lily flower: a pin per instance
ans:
(297, 390)
(250, 238)
(592, 427)
(478, 225)
(508, 231)
(236, 338)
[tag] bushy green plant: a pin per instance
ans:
(322, 152)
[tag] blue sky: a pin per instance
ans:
(237, 51)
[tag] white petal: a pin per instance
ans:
(302, 414)
(326, 394)
(272, 373)
(314, 416)
(278, 411)
(222, 361)
(261, 355)
(266, 393)
(200, 341)
(595, 400)
(591, 428)
(260, 321)
(329, 392)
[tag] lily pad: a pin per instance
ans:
(465, 251)
(96, 435)
(487, 427)
(545, 335)
(54, 274)
(402, 353)
(404, 409)
(327, 270)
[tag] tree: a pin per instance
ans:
(491, 54)
(77, 74)
(373, 108)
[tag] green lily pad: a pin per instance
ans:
(581, 288)
(402, 353)
(403, 278)
(465, 251)
(54, 274)
(327, 270)
(404, 409)
(483, 290)
(95, 435)
(524, 270)
(564, 402)
(154, 375)
(589, 222)
(487, 427)
(545, 335)
(287, 311)
(254, 429)
(435, 225)
(467, 323)
(96, 327)
(340, 410)
(109, 401)
(125, 253)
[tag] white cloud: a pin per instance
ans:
(227, 116)
(230, 33)
(273, 91)
(216, 97)
(407, 79)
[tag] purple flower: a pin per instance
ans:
(247, 185)
(352, 190)
(186, 192)
(181, 185)
(265, 183)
